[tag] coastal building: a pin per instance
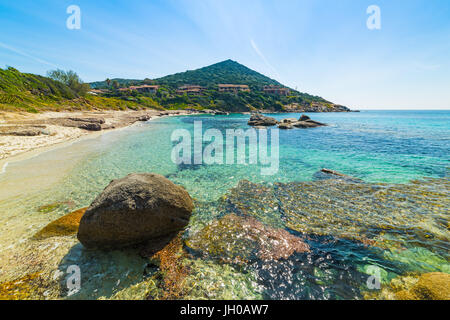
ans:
(143, 89)
(276, 90)
(97, 91)
(190, 89)
(233, 88)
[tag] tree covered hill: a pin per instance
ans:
(64, 90)
(225, 72)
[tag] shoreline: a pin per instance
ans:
(72, 135)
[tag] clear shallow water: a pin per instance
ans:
(376, 146)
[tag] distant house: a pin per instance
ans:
(234, 88)
(190, 89)
(143, 89)
(276, 90)
(97, 91)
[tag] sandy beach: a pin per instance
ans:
(53, 131)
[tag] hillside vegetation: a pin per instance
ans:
(226, 72)
(64, 90)
(33, 93)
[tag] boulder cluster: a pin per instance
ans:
(260, 121)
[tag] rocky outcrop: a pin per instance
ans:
(306, 122)
(90, 124)
(22, 131)
(258, 119)
(135, 210)
(316, 107)
(289, 120)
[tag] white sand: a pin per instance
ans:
(15, 148)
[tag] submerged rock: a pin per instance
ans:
(134, 210)
(382, 215)
(428, 286)
(29, 287)
(331, 174)
(431, 286)
(238, 240)
(64, 226)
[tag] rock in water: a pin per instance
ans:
(134, 210)
(239, 239)
(258, 119)
(304, 118)
(285, 126)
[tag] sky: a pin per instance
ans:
(322, 47)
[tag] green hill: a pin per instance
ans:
(226, 72)
(33, 93)
(29, 92)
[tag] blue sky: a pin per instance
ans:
(322, 47)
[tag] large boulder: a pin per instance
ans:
(133, 210)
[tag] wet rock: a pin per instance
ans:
(285, 126)
(239, 240)
(308, 124)
(258, 119)
(134, 210)
(172, 268)
(304, 118)
(289, 120)
(65, 226)
(221, 113)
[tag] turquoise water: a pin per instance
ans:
(385, 149)
(375, 146)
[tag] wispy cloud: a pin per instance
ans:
(22, 53)
(261, 55)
